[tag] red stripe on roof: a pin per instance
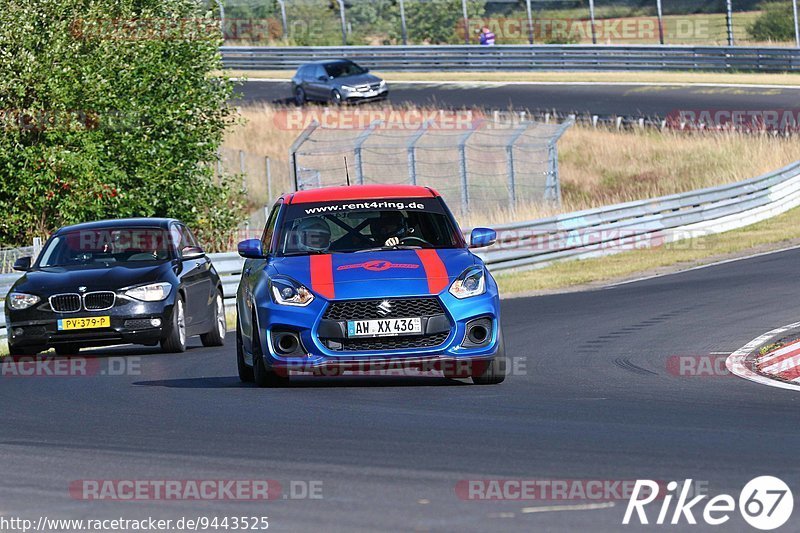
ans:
(362, 192)
(322, 275)
(435, 270)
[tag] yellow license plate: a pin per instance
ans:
(90, 322)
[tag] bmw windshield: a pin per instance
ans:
(359, 226)
(103, 247)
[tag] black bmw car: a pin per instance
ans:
(141, 281)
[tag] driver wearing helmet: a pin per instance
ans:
(313, 235)
(389, 228)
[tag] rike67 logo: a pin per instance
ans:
(765, 503)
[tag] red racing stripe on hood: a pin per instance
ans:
(435, 270)
(322, 275)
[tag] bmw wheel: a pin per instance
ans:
(336, 97)
(175, 339)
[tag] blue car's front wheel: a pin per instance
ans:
(263, 376)
(245, 371)
(495, 371)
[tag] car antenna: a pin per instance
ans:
(346, 171)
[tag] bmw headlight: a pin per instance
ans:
(348, 88)
(286, 291)
(472, 282)
(154, 292)
(383, 84)
(19, 300)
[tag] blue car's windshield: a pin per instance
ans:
(356, 226)
(104, 246)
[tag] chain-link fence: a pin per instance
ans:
(387, 22)
(481, 164)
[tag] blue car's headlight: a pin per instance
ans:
(286, 291)
(472, 282)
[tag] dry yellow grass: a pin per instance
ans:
(688, 78)
(598, 167)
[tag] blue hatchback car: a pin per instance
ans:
(365, 278)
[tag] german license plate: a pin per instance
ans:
(384, 327)
(90, 322)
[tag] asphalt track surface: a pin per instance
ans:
(595, 401)
(604, 100)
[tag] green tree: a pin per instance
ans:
(111, 108)
(776, 23)
(441, 21)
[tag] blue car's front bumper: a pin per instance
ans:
(317, 354)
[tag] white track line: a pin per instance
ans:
(578, 507)
(565, 83)
(736, 362)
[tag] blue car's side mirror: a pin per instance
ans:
(251, 249)
(481, 237)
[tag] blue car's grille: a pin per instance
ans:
(371, 310)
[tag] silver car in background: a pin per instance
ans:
(336, 81)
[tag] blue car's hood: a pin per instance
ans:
(378, 274)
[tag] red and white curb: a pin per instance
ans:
(779, 368)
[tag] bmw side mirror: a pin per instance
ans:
(192, 252)
(23, 264)
(323, 78)
(251, 249)
(482, 237)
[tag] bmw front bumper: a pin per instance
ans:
(131, 322)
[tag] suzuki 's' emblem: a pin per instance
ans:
(384, 308)
(81, 289)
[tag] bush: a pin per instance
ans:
(103, 118)
(776, 23)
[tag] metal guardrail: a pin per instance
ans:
(621, 227)
(603, 231)
(514, 57)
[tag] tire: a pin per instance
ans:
(336, 97)
(245, 372)
(67, 349)
(300, 98)
(175, 339)
(495, 372)
(216, 337)
(263, 376)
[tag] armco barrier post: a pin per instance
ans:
(269, 180)
(412, 151)
(796, 23)
(357, 149)
(303, 137)
(512, 178)
(462, 166)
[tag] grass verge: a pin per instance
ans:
(687, 78)
(771, 234)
